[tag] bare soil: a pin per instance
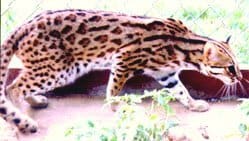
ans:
(220, 123)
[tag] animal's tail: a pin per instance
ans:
(7, 110)
(7, 50)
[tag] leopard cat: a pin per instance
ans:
(56, 47)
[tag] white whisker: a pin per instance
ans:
(230, 88)
(228, 96)
(247, 81)
(223, 92)
(219, 91)
(242, 88)
(236, 89)
(228, 93)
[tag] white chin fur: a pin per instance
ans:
(226, 80)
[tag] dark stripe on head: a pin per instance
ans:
(135, 62)
(187, 55)
(157, 62)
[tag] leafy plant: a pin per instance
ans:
(132, 122)
(244, 126)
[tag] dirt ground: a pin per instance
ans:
(220, 123)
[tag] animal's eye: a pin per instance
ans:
(232, 69)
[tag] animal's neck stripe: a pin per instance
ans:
(173, 38)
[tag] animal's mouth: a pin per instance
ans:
(226, 79)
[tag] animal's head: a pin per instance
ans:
(220, 62)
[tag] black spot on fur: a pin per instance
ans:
(62, 46)
(93, 48)
(49, 83)
(3, 111)
(84, 42)
(90, 54)
(104, 27)
(94, 19)
(71, 38)
(130, 36)
(164, 78)
(47, 38)
(170, 19)
(55, 33)
(33, 130)
(117, 30)
(112, 20)
(102, 54)
(171, 84)
(58, 20)
(35, 43)
(81, 14)
(44, 49)
(41, 25)
(81, 29)
(155, 25)
(52, 46)
(40, 35)
(66, 29)
(101, 38)
(16, 121)
(110, 49)
(117, 41)
(172, 32)
(70, 17)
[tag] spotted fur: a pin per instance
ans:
(56, 47)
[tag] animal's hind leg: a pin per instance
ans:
(31, 86)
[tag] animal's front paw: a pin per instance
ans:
(199, 106)
(37, 101)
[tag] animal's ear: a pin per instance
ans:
(209, 51)
(228, 39)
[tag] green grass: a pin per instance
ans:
(244, 125)
(214, 18)
(131, 123)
